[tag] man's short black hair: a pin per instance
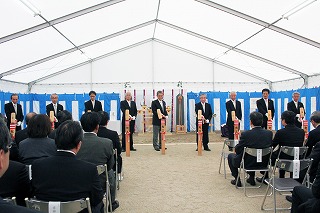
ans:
(92, 92)
(159, 92)
(315, 116)
(14, 94)
(63, 116)
(256, 118)
(89, 121)
(39, 126)
(104, 118)
(68, 135)
(4, 136)
(288, 117)
(266, 90)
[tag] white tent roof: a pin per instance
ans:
(149, 40)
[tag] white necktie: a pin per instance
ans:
(161, 104)
(234, 104)
(55, 108)
(266, 101)
(204, 107)
(92, 104)
(15, 108)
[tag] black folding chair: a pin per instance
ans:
(230, 144)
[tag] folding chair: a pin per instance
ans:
(285, 184)
(104, 169)
(263, 163)
(29, 171)
(116, 172)
(11, 200)
(224, 154)
(56, 206)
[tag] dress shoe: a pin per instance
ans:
(157, 149)
(289, 198)
(133, 149)
(123, 150)
(115, 205)
(259, 179)
(251, 181)
(197, 149)
(233, 182)
(207, 149)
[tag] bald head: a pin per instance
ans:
(29, 116)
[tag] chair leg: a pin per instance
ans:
(238, 177)
(220, 163)
(265, 197)
(109, 193)
(274, 201)
(224, 167)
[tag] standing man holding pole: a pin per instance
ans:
(159, 103)
(295, 105)
(14, 107)
(233, 105)
(264, 104)
(206, 118)
(55, 107)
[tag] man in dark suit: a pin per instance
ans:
(290, 135)
(264, 104)
(98, 151)
(104, 132)
(206, 118)
(66, 177)
(23, 134)
(93, 105)
(314, 135)
(295, 106)
(233, 105)
(159, 103)
(55, 107)
(15, 182)
(131, 106)
(14, 107)
(305, 199)
(257, 138)
(5, 145)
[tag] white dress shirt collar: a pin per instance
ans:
(62, 150)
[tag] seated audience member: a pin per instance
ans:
(38, 145)
(63, 177)
(62, 116)
(5, 140)
(307, 200)
(314, 135)
(23, 134)
(257, 138)
(290, 135)
(104, 132)
(15, 182)
(97, 150)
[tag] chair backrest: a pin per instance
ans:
(103, 169)
(256, 158)
(59, 207)
(230, 143)
(256, 152)
(288, 165)
(295, 152)
(11, 200)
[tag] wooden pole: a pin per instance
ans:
(127, 133)
(13, 125)
(51, 116)
(162, 132)
(269, 124)
(200, 132)
(304, 123)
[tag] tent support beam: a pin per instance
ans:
(303, 75)
(88, 62)
(260, 22)
(76, 48)
(59, 20)
(212, 60)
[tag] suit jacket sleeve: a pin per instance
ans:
(109, 153)
(134, 109)
(86, 107)
(316, 184)
(276, 139)
(260, 107)
(164, 108)
(228, 108)
(210, 112)
(96, 190)
(8, 112)
(311, 141)
(239, 110)
(100, 106)
(154, 108)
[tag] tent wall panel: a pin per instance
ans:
(7, 86)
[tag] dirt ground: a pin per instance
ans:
(182, 181)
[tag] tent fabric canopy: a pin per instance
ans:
(116, 40)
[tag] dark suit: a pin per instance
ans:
(292, 107)
(50, 107)
(7, 207)
(133, 112)
(257, 138)
(238, 111)
(66, 179)
(15, 182)
(315, 155)
(262, 108)
(114, 137)
(289, 136)
(88, 106)
(21, 135)
(8, 108)
(313, 138)
(207, 113)
(154, 106)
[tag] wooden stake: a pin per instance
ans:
(200, 132)
(127, 133)
(163, 136)
(51, 116)
(233, 115)
(236, 129)
(301, 112)
(269, 122)
(13, 125)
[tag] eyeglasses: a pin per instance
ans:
(8, 147)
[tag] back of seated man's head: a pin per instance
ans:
(90, 121)
(69, 134)
(3, 118)
(39, 126)
(63, 116)
(315, 117)
(104, 118)
(29, 116)
(4, 147)
(288, 117)
(256, 118)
